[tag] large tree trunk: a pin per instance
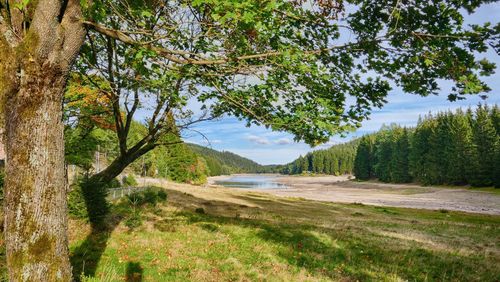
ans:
(37, 50)
(35, 196)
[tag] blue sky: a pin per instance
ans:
(268, 147)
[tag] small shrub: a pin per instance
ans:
(129, 180)
(209, 227)
(115, 183)
(94, 194)
(199, 210)
(76, 203)
(162, 195)
(134, 219)
(136, 199)
(150, 197)
(132, 207)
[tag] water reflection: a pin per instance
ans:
(251, 182)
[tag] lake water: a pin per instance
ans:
(251, 182)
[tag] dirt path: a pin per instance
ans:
(342, 190)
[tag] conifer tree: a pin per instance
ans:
(363, 169)
(485, 144)
(399, 160)
(460, 149)
(383, 155)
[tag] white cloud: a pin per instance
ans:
(258, 140)
(283, 141)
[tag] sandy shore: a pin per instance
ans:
(212, 179)
(340, 189)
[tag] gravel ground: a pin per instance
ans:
(342, 190)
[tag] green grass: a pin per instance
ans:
(257, 237)
(226, 235)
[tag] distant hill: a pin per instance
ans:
(220, 163)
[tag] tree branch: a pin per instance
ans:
(187, 58)
(6, 32)
(130, 114)
(16, 18)
(73, 32)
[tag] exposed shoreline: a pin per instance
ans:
(212, 179)
(340, 189)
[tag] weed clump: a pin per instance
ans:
(133, 205)
(129, 180)
(149, 196)
(133, 220)
(76, 203)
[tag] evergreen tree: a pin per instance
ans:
(486, 142)
(399, 160)
(383, 155)
(304, 165)
(418, 150)
(328, 163)
(363, 169)
(495, 118)
(319, 160)
(460, 149)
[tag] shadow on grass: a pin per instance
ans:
(104, 219)
(86, 257)
(343, 248)
(134, 272)
(346, 248)
(299, 245)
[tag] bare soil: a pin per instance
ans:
(342, 190)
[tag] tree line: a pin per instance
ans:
(449, 148)
(337, 160)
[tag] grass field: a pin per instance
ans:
(203, 234)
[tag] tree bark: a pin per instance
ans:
(36, 53)
(35, 188)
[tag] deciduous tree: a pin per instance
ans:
(282, 64)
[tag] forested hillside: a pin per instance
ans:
(447, 148)
(457, 148)
(225, 162)
(175, 161)
(186, 162)
(180, 162)
(337, 160)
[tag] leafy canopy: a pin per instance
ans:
(312, 68)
